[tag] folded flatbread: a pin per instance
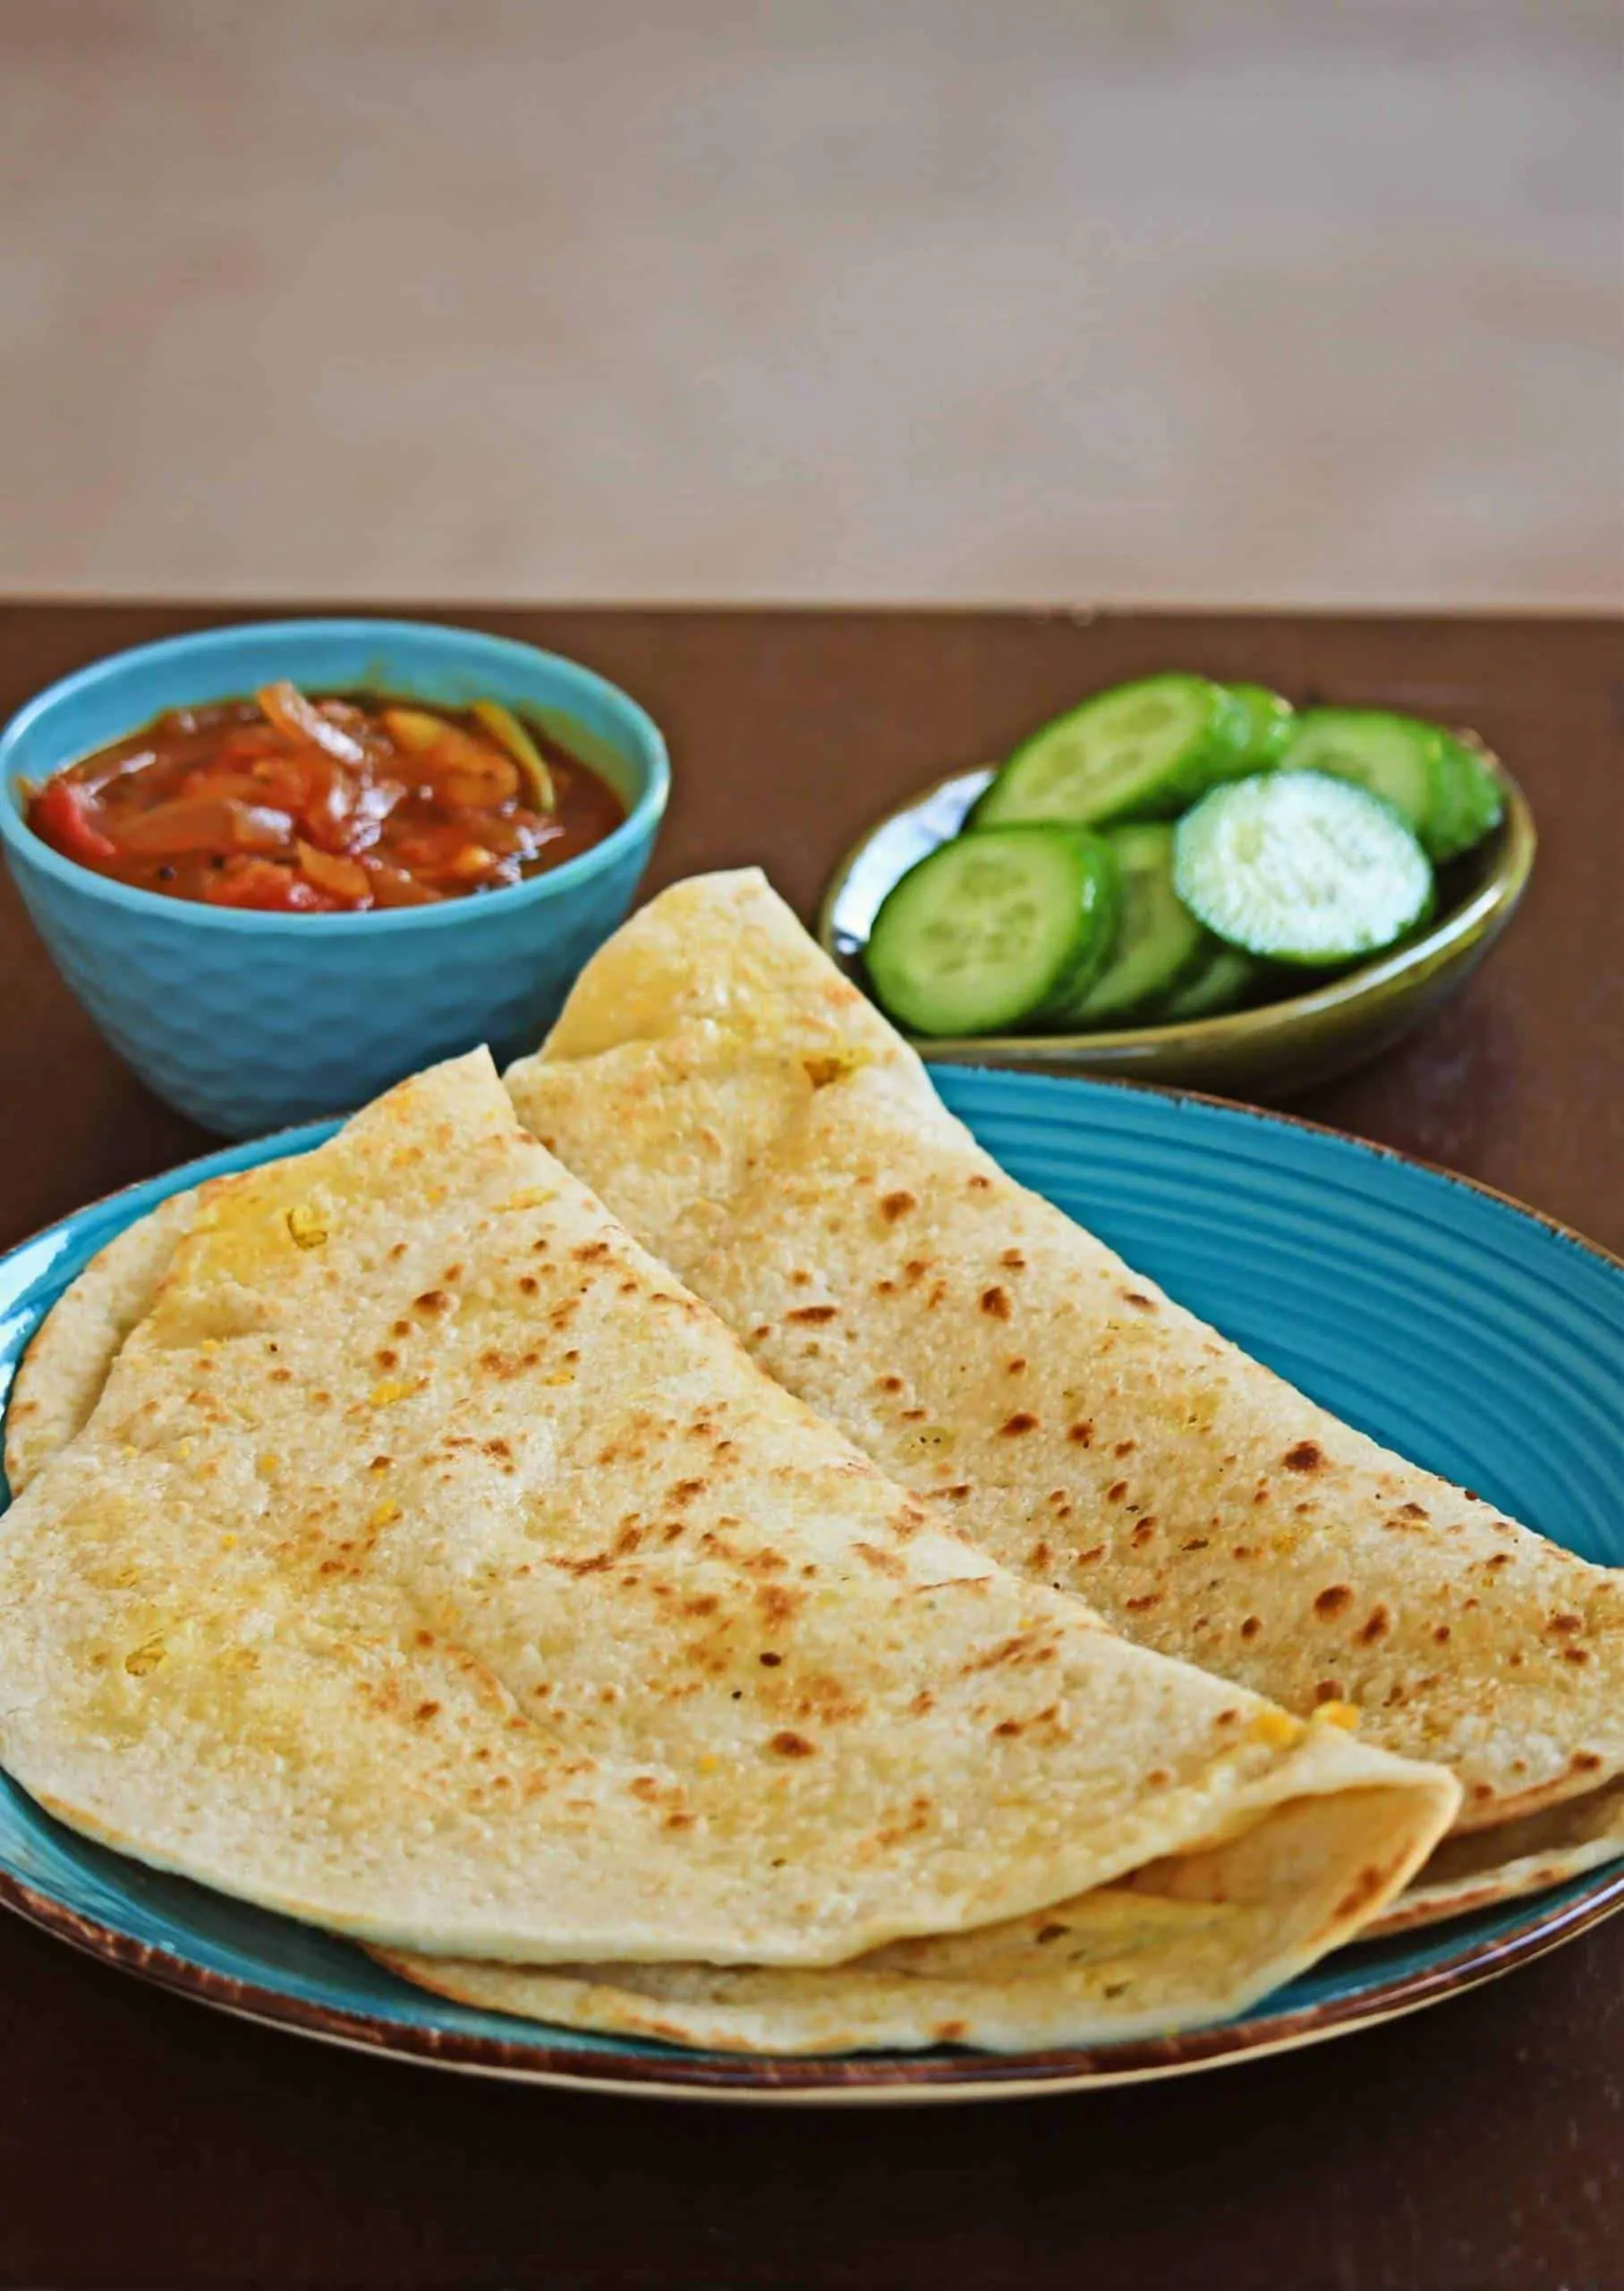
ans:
(760, 1127)
(430, 1565)
(1184, 1939)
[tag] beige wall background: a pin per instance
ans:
(1303, 302)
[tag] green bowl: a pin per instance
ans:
(1270, 1049)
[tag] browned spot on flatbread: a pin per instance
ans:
(1332, 1600)
(788, 1745)
(815, 1315)
(1364, 1888)
(996, 1301)
(1022, 1647)
(1021, 1421)
(1306, 1456)
(893, 1206)
(777, 1604)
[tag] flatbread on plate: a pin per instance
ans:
(760, 1127)
(432, 1567)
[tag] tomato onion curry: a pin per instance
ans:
(291, 803)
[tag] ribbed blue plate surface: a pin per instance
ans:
(1485, 1342)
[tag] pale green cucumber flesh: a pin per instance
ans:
(1143, 750)
(1158, 940)
(986, 931)
(1391, 756)
(1300, 867)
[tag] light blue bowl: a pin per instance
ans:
(248, 1021)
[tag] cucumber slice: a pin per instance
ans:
(1301, 867)
(1142, 751)
(1271, 723)
(1226, 979)
(988, 932)
(1390, 756)
(1465, 802)
(1158, 940)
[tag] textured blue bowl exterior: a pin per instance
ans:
(247, 1022)
(1487, 1343)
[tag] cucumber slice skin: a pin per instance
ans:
(1272, 723)
(1226, 980)
(1140, 751)
(1159, 943)
(987, 932)
(1389, 755)
(1466, 802)
(1302, 868)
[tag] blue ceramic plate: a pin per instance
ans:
(1480, 1340)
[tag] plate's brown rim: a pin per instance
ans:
(1156, 2056)
(1478, 919)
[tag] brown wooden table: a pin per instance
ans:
(144, 2141)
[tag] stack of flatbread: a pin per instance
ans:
(759, 1124)
(778, 1630)
(403, 1548)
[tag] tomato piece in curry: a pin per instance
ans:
(331, 805)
